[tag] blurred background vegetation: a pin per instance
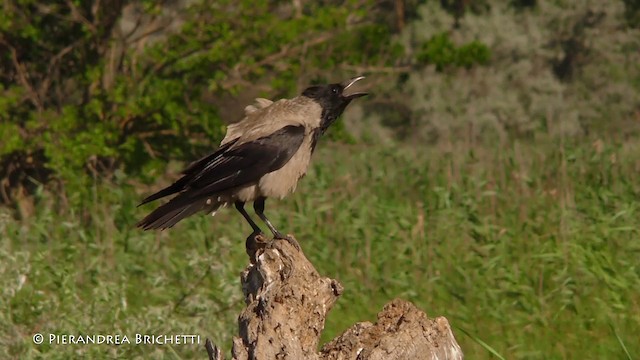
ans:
(493, 175)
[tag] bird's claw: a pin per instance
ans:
(287, 238)
(257, 240)
(259, 236)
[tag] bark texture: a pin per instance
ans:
(288, 301)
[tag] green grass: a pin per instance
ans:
(531, 252)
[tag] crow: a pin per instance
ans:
(262, 156)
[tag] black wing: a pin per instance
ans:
(228, 168)
(189, 173)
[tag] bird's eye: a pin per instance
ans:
(334, 90)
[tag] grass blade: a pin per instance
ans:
(624, 348)
(486, 346)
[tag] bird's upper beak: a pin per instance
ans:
(347, 84)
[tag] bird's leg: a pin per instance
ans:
(258, 206)
(256, 229)
(255, 241)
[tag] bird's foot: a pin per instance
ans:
(290, 239)
(256, 241)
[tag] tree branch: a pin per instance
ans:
(286, 51)
(77, 16)
(378, 69)
(23, 76)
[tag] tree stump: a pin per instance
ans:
(287, 304)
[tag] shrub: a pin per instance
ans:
(96, 87)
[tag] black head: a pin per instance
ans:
(332, 98)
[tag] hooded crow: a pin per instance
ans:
(264, 155)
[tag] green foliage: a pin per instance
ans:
(443, 53)
(546, 75)
(518, 244)
(71, 88)
(523, 4)
(632, 12)
(458, 8)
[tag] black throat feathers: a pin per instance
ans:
(327, 120)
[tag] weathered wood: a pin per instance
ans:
(401, 332)
(287, 304)
(213, 351)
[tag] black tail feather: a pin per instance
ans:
(189, 174)
(170, 213)
(169, 190)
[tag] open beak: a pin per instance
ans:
(347, 84)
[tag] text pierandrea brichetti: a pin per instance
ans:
(116, 339)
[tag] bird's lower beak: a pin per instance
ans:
(348, 83)
(356, 95)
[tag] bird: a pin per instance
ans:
(262, 156)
